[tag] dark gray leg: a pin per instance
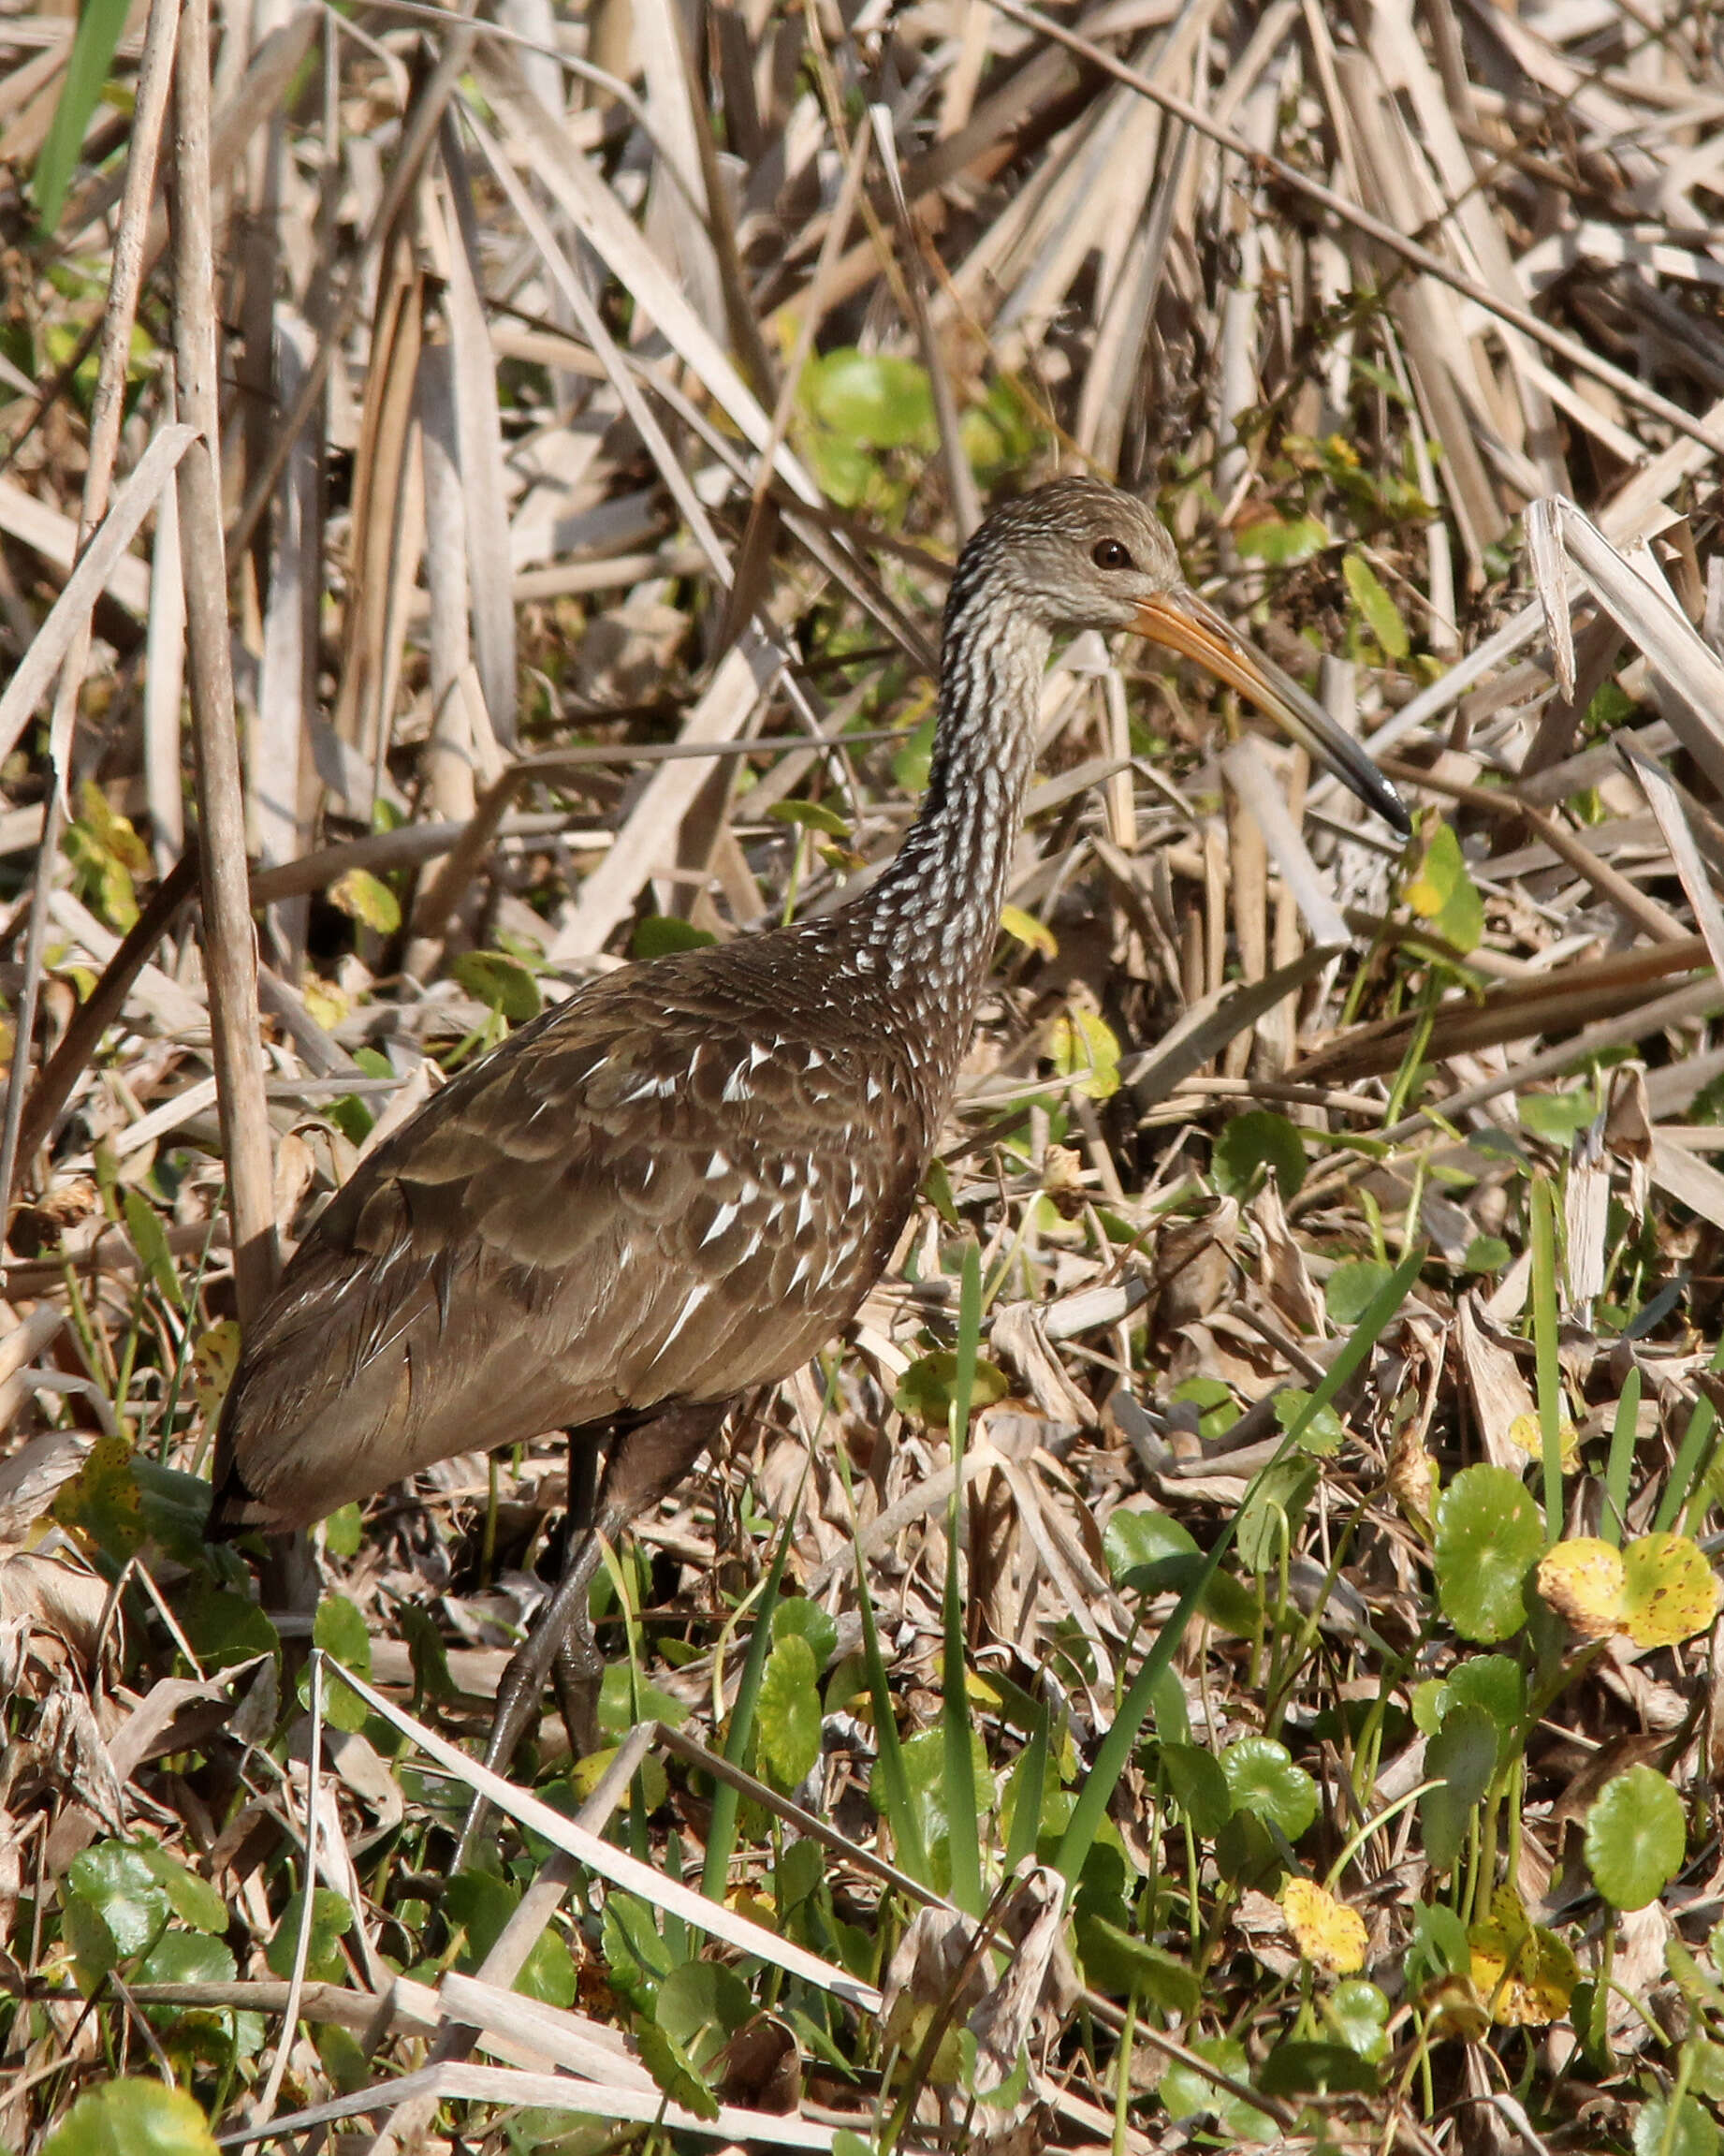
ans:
(578, 1668)
(641, 1467)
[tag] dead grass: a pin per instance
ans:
(594, 420)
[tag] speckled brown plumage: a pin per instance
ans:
(650, 1195)
(681, 1182)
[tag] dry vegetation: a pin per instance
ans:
(595, 388)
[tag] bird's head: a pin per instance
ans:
(1076, 554)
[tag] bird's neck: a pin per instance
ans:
(928, 927)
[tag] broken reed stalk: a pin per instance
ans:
(149, 111)
(230, 953)
(418, 130)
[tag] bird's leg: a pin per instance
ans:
(577, 1671)
(641, 1466)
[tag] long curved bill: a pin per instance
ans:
(1180, 622)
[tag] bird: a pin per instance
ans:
(679, 1183)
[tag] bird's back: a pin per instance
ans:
(677, 1184)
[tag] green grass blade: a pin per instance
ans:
(722, 1833)
(894, 1777)
(1620, 1464)
(1031, 1780)
(1545, 1336)
(963, 1818)
(99, 25)
(1679, 1489)
(1115, 1747)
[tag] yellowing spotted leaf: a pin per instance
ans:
(1582, 1580)
(1669, 1591)
(1325, 1930)
(1085, 1048)
(1036, 934)
(326, 1003)
(1657, 1591)
(1525, 1975)
(1413, 1479)
(215, 1357)
(1527, 1434)
(1455, 2009)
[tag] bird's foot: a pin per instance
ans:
(561, 1639)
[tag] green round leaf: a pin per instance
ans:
(1351, 1288)
(1315, 2070)
(1132, 1538)
(1255, 1145)
(84, 1931)
(1442, 892)
(1489, 1535)
(185, 1957)
(1691, 2132)
(1358, 2014)
(1440, 1944)
(1189, 2096)
(223, 1627)
(1199, 1786)
(548, 1971)
(332, 1916)
(1270, 1515)
(116, 1880)
(702, 2004)
(874, 397)
(493, 978)
(674, 2070)
(925, 1389)
(795, 1613)
(1381, 614)
(195, 1901)
(1496, 1683)
(133, 2119)
(1636, 1838)
(659, 933)
(1461, 1758)
(1322, 1435)
(1263, 1778)
(1557, 1116)
(344, 1532)
(339, 1630)
(812, 816)
(1117, 1961)
(787, 1715)
(1283, 541)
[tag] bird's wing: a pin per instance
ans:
(641, 1198)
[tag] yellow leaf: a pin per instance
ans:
(1657, 1591)
(1455, 2009)
(1525, 1975)
(215, 1357)
(1527, 1434)
(1582, 1580)
(1413, 1479)
(1027, 930)
(1086, 1049)
(325, 1001)
(1669, 1591)
(1326, 1932)
(369, 900)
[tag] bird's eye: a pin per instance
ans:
(1111, 554)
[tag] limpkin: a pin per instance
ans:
(680, 1182)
